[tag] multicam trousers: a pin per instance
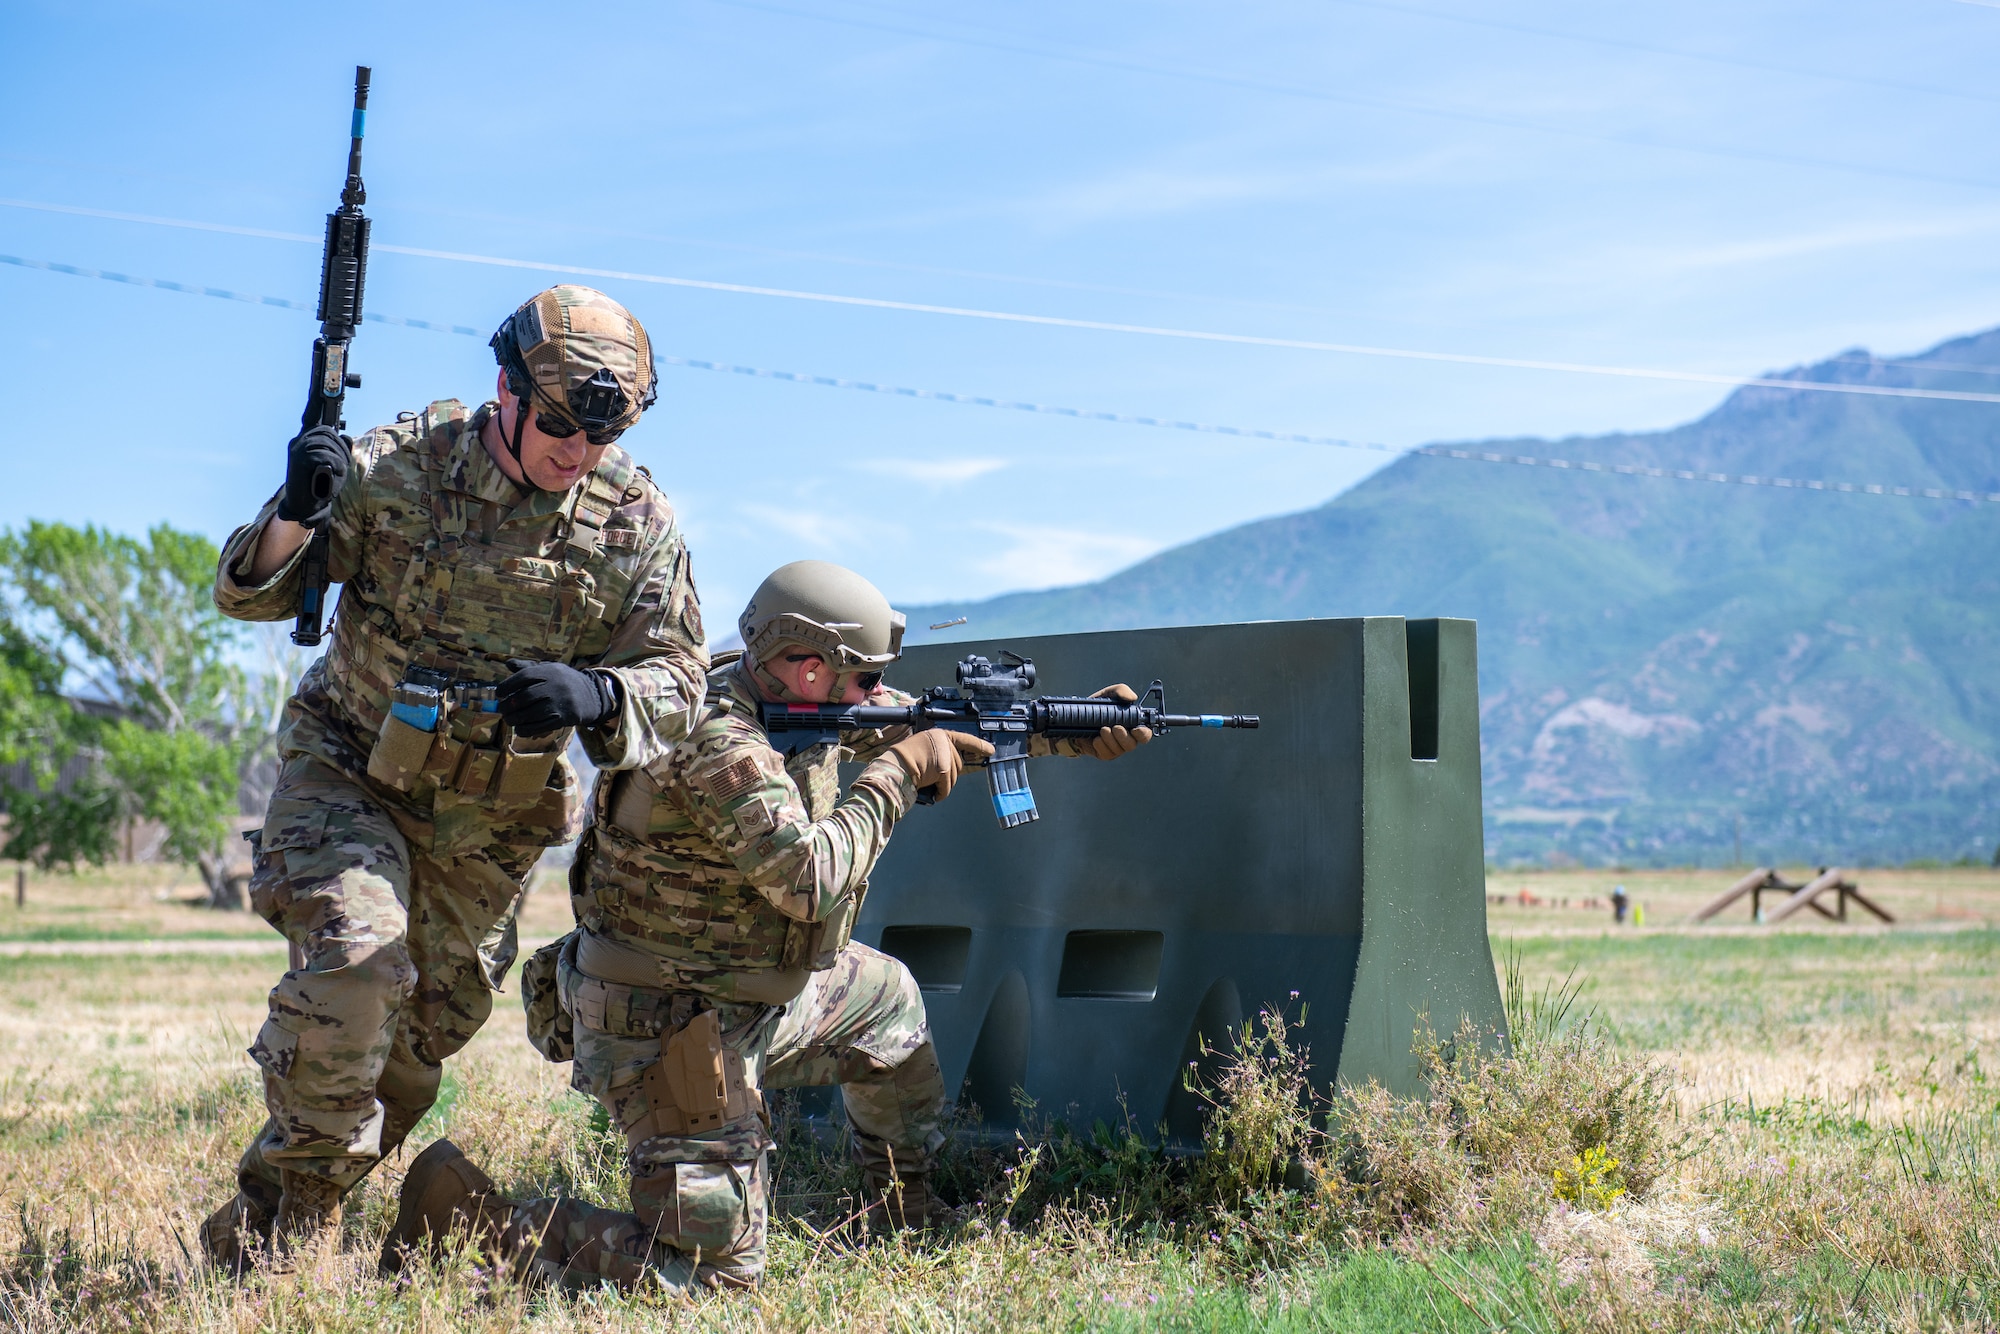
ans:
(703, 1198)
(402, 952)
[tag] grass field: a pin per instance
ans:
(1836, 1159)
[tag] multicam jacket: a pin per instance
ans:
(725, 860)
(448, 564)
(725, 856)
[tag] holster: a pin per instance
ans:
(698, 1085)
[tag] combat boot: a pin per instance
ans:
(903, 1201)
(444, 1196)
(308, 1211)
(241, 1229)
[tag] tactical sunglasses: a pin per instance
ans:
(867, 680)
(561, 428)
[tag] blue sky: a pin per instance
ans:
(1703, 186)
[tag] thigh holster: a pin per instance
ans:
(698, 1086)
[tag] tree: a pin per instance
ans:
(43, 738)
(132, 622)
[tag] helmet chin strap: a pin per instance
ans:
(773, 683)
(776, 685)
(514, 445)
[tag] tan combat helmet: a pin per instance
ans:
(826, 609)
(581, 360)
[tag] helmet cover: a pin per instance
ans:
(579, 355)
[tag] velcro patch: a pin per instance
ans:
(729, 781)
(755, 817)
(594, 320)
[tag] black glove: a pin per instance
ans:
(541, 697)
(311, 452)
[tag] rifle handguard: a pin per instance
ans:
(990, 703)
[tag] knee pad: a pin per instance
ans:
(716, 1212)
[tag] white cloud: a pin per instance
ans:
(933, 472)
(816, 528)
(1044, 557)
(1969, 222)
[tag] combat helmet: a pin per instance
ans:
(581, 360)
(825, 609)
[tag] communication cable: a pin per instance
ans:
(1060, 321)
(1085, 414)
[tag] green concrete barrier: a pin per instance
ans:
(1330, 863)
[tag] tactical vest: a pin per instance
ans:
(694, 910)
(454, 583)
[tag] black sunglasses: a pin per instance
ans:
(562, 429)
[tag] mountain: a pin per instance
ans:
(1664, 663)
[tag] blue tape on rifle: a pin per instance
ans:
(360, 122)
(1012, 803)
(1211, 720)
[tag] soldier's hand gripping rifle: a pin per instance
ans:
(342, 268)
(990, 701)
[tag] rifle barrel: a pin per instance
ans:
(354, 196)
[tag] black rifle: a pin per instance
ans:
(343, 266)
(991, 701)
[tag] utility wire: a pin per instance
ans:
(1080, 414)
(1384, 104)
(384, 207)
(1704, 57)
(1059, 321)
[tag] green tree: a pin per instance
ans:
(132, 621)
(42, 737)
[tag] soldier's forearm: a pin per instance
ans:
(278, 543)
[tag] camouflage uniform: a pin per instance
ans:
(399, 883)
(725, 878)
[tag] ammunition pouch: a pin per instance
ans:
(471, 753)
(399, 754)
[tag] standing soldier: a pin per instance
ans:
(513, 580)
(715, 894)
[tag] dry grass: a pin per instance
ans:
(1557, 901)
(1837, 1164)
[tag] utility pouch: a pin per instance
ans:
(816, 946)
(698, 1085)
(551, 1031)
(418, 708)
(525, 763)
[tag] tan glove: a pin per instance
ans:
(1111, 742)
(936, 757)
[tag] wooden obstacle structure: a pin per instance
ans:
(1764, 881)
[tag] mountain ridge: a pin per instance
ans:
(1661, 658)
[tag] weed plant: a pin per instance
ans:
(1560, 1177)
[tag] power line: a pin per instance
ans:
(1081, 414)
(1382, 103)
(384, 207)
(1702, 56)
(1060, 321)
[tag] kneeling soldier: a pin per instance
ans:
(715, 893)
(423, 764)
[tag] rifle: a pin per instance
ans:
(343, 266)
(990, 701)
